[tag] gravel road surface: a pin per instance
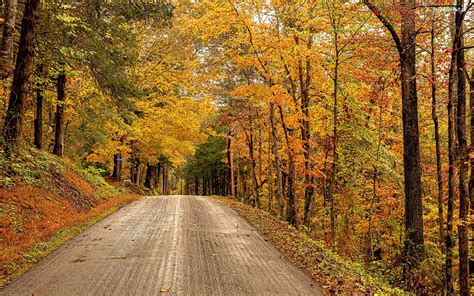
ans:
(172, 245)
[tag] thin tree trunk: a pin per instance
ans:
(332, 185)
(308, 152)
(260, 149)
(276, 155)
(255, 191)
(38, 122)
(237, 162)
(230, 159)
(325, 186)
(270, 178)
(19, 89)
(6, 48)
(59, 116)
(374, 178)
(291, 214)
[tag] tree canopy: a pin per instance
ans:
(351, 120)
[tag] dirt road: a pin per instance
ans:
(174, 245)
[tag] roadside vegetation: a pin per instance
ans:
(334, 274)
(44, 201)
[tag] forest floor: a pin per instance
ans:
(334, 274)
(45, 201)
(185, 245)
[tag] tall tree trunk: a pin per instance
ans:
(308, 148)
(59, 117)
(406, 47)
(38, 122)
(19, 89)
(434, 117)
(471, 181)
(463, 155)
(451, 174)
(414, 240)
(6, 48)
(304, 77)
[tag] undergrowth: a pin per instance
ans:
(95, 176)
(30, 166)
(34, 167)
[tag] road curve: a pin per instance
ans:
(172, 245)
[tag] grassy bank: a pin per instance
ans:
(44, 201)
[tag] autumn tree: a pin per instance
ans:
(16, 106)
(406, 48)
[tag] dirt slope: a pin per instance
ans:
(43, 202)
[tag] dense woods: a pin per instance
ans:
(350, 120)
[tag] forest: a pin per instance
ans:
(350, 120)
